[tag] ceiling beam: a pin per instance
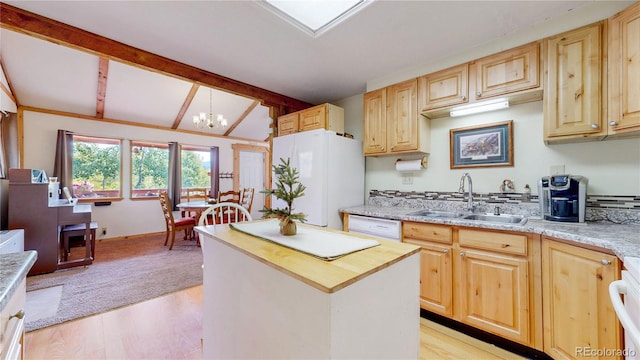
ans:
(185, 106)
(241, 118)
(103, 74)
(26, 22)
(9, 92)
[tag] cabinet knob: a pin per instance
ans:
(461, 254)
(446, 251)
(464, 98)
(605, 262)
(382, 148)
(594, 126)
(613, 123)
(392, 147)
(19, 315)
(478, 94)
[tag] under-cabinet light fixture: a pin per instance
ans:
(479, 107)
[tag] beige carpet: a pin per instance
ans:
(125, 272)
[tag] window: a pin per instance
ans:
(149, 169)
(97, 164)
(196, 168)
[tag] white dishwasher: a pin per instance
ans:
(376, 227)
(629, 311)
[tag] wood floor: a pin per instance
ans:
(170, 327)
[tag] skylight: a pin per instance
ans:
(315, 16)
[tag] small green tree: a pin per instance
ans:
(288, 188)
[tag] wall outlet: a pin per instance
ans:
(407, 178)
(104, 231)
(556, 170)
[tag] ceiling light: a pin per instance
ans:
(314, 16)
(213, 123)
(479, 107)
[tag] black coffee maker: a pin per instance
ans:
(563, 197)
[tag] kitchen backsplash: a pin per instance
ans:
(611, 208)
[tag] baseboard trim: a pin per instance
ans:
(131, 237)
(498, 341)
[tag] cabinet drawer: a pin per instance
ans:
(430, 232)
(494, 241)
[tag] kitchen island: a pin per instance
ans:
(264, 300)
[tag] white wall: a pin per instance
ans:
(126, 217)
(612, 166)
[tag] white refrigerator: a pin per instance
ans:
(332, 169)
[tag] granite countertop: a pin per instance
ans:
(622, 240)
(13, 269)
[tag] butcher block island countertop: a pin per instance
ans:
(264, 300)
(327, 276)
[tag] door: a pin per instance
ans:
(494, 293)
(251, 165)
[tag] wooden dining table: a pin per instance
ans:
(197, 206)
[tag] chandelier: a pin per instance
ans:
(203, 120)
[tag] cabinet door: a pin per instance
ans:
(313, 118)
(494, 294)
(402, 116)
(444, 88)
(288, 124)
(509, 71)
(436, 288)
(578, 313)
(624, 67)
(573, 90)
(375, 122)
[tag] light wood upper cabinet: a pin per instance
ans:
(323, 116)
(391, 124)
(578, 313)
(444, 88)
(624, 72)
(507, 72)
(574, 69)
(402, 116)
(375, 122)
(288, 124)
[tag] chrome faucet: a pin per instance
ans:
(461, 190)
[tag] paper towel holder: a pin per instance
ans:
(411, 165)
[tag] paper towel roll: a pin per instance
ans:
(411, 165)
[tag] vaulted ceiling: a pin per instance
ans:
(154, 62)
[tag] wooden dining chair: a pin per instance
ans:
(229, 196)
(224, 213)
(195, 194)
(246, 198)
(174, 225)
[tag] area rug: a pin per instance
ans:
(128, 273)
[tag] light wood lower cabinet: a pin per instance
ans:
(436, 266)
(488, 279)
(578, 314)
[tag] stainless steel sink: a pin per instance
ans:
(510, 219)
(436, 213)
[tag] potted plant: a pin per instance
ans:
(288, 188)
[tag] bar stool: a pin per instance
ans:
(69, 231)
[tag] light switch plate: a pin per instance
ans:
(556, 169)
(407, 178)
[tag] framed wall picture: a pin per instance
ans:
(482, 146)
